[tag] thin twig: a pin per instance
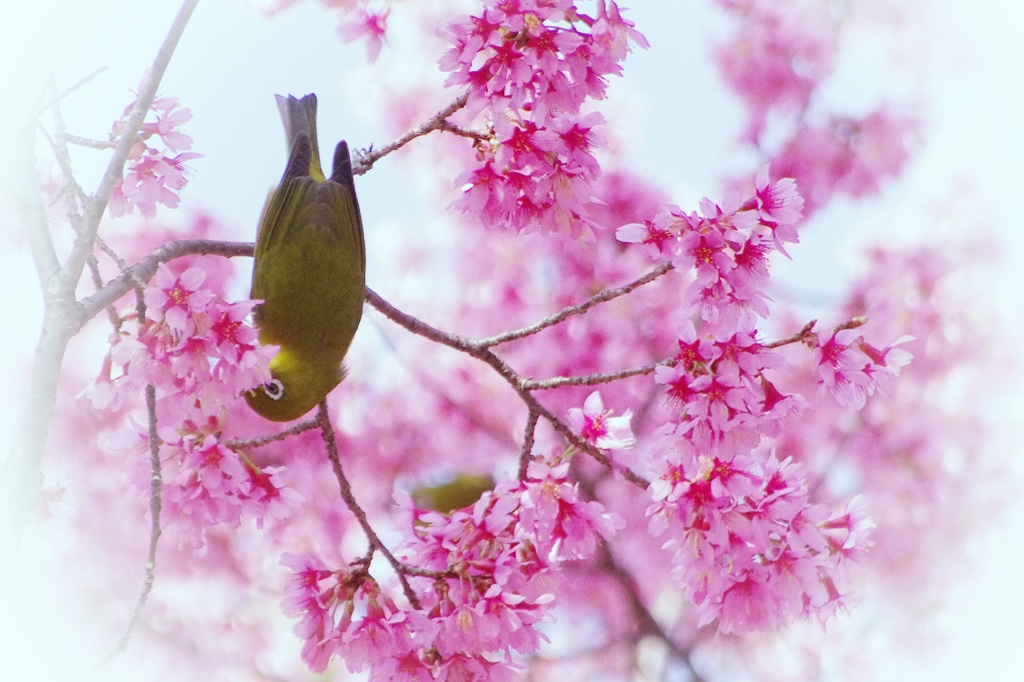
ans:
(260, 441)
(94, 269)
(63, 156)
(88, 142)
(155, 505)
(145, 268)
(606, 295)
(796, 338)
(581, 444)
(68, 90)
(593, 379)
(115, 169)
(420, 327)
(365, 160)
(526, 452)
(852, 323)
(480, 351)
(327, 433)
(449, 127)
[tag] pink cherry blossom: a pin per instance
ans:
(748, 550)
(597, 426)
(714, 506)
(368, 24)
(727, 249)
(852, 369)
(529, 67)
(153, 176)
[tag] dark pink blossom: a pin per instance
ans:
(529, 66)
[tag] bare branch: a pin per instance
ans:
(796, 338)
(327, 433)
(592, 379)
(88, 142)
(115, 169)
(155, 505)
(526, 452)
(449, 127)
(63, 316)
(852, 323)
(260, 441)
(484, 354)
(419, 327)
(67, 91)
(364, 160)
(23, 186)
(606, 295)
(807, 331)
(94, 270)
(63, 156)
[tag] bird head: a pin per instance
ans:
(296, 386)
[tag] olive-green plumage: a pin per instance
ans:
(309, 271)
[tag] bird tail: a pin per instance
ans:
(299, 117)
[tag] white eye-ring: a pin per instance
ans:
(274, 389)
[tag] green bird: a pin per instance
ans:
(309, 270)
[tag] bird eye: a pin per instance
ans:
(274, 389)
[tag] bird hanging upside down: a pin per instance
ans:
(309, 271)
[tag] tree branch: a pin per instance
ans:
(115, 169)
(155, 506)
(142, 271)
(364, 160)
(592, 379)
(63, 317)
(606, 295)
(327, 433)
(796, 338)
(260, 441)
(481, 352)
(526, 452)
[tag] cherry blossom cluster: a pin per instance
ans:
(192, 345)
(206, 483)
(199, 353)
(719, 392)
(847, 155)
(530, 65)
(851, 369)
(749, 548)
(726, 248)
(778, 58)
(344, 612)
(154, 174)
(487, 591)
(370, 24)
